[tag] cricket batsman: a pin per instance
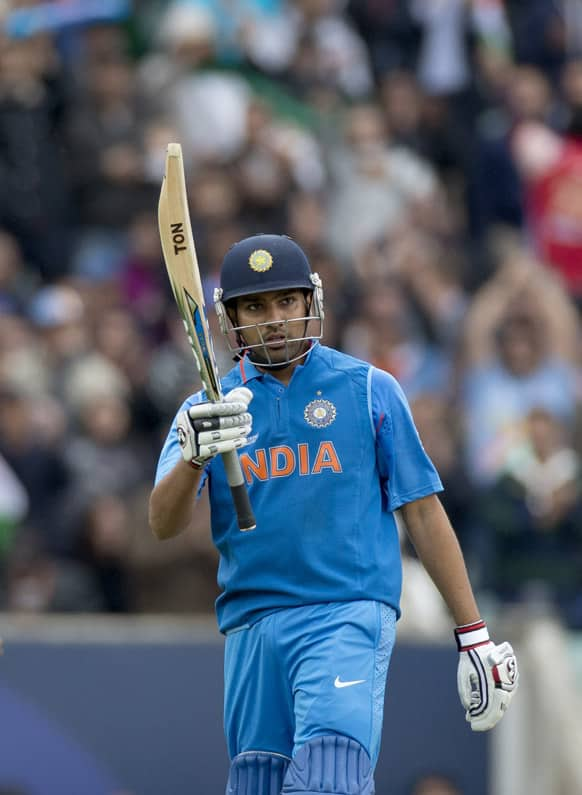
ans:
(310, 598)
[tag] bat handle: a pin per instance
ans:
(240, 495)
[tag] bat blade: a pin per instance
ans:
(184, 275)
(182, 266)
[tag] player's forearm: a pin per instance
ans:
(172, 501)
(437, 547)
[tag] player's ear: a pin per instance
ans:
(231, 311)
(231, 308)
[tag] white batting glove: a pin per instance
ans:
(207, 429)
(487, 676)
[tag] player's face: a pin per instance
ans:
(272, 321)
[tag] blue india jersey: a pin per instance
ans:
(331, 456)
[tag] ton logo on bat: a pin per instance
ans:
(178, 237)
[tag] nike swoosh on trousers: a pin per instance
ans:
(339, 683)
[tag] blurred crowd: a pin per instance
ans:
(427, 155)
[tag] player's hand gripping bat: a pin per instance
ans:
(182, 266)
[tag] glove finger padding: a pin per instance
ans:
(213, 423)
(505, 671)
(208, 438)
(207, 409)
(224, 446)
(241, 394)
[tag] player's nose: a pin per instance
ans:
(274, 313)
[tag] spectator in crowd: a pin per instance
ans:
(531, 521)
(443, 64)
(463, 41)
(494, 186)
(34, 194)
(429, 269)
(142, 282)
(178, 577)
(550, 166)
(215, 202)
(521, 352)
(384, 332)
(423, 123)
(123, 344)
(21, 356)
(39, 466)
(104, 456)
(180, 82)
(105, 129)
(276, 159)
(339, 295)
(539, 33)
(103, 545)
(37, 581)
(391, 33)
(310, 43)
(374, 184)
(256, 30)
(64, 341)
(171, 375)
(263, 177)
(306, 219)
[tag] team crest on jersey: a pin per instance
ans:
(319, 413)
(261, 261)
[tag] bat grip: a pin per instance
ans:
(240, 495)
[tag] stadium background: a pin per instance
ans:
(427, 154)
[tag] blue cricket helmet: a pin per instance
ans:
(262, 263)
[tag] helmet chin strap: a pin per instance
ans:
(259, 362)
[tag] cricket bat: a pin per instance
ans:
(182, 266)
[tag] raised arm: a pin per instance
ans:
(489, 307)
(521, 283)
(202, 431)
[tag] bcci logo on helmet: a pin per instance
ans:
(261, 261)
(319, 413)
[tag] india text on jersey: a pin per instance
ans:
(282, 460)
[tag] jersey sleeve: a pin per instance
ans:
(170, 453)
(406, 471)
